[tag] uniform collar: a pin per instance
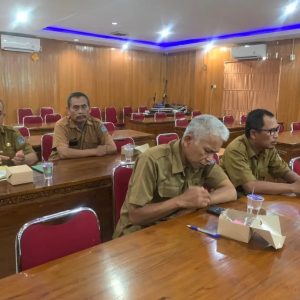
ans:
(250, 151)
(177, 166)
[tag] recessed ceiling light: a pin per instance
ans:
(125, 46)
(290, 8)
(209, 46)
(164, 33)
(247, 46)
(22, 17)
(76, 40)
(114, 23)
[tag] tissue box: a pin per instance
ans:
(231, 225)
(19, 174)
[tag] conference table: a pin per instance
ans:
(76, 182)
(170, 261)
(235, 130)
(288, 144)
(139, 138)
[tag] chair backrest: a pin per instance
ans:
(127, 111)
(295, 164)
(137, 116)
(96, 112)
(281, 128)
(46, 145)
(109, 126)
(44, 239)
(32, 120)
(23, 112)
(181, 122)
(243, 119)
(142, 109)
(165, 138)
(121, 176)
(159, 116)
(196, 113)
(23, 130)
(46, 111)
(179, 115)
(295, 126)
(52, 118)
(228, 119)
(121, 142)
(111, 115)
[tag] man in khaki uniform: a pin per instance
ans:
(13, 148)
(79, 134)
(168, 179)
(251, 158)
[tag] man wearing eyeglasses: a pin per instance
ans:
(251, 159)
(80, 135)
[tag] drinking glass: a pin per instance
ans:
(48, 170)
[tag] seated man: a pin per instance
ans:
(79, 134)
(251, 158)
(13, 148)
(168, 179)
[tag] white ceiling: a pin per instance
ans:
(142, 19)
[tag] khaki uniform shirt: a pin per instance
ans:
(11, 141)
(160, 175)
(242, 164)
(68, 134)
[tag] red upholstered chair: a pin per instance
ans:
(158, 116)
(23, 130)
(121, 176)
(95, 112)
(196, 113)
(137, 116)
(181, 122)
(23, 112)
(142, 109)
(110, 127)
(52, 118)
(46, 238)
(295, 164)
(32, 120)
(165, 138)
(121, 142)
(46, 111)
(295, 126)
(111, 115)
(243, 119)
(281, 128)
(46, 146)
(127, 111)
(228, 119)
(179, 115)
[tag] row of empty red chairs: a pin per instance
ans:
(26, 117)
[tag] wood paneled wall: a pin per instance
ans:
(133, 77)
(108, 77)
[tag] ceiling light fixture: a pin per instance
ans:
(125, 46)
(164, 33)
(114, 23)
(290, 8)
(76, 40)
(22, 17)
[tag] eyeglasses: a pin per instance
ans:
(271, 131)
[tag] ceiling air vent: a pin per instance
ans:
(118, 33)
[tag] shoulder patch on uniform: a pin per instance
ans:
(102, 128)
(21, 140)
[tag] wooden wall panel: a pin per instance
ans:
(108, 77)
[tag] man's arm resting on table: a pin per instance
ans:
(194, 197)
(273, 188)
(31, 158)
(223, 193)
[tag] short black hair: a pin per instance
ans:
(255, 120)
(77, 95)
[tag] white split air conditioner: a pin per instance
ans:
(20, 44)
(249, 51)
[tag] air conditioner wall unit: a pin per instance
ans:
(20, 44)
(249, 51)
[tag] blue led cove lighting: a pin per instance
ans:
(261, 31)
